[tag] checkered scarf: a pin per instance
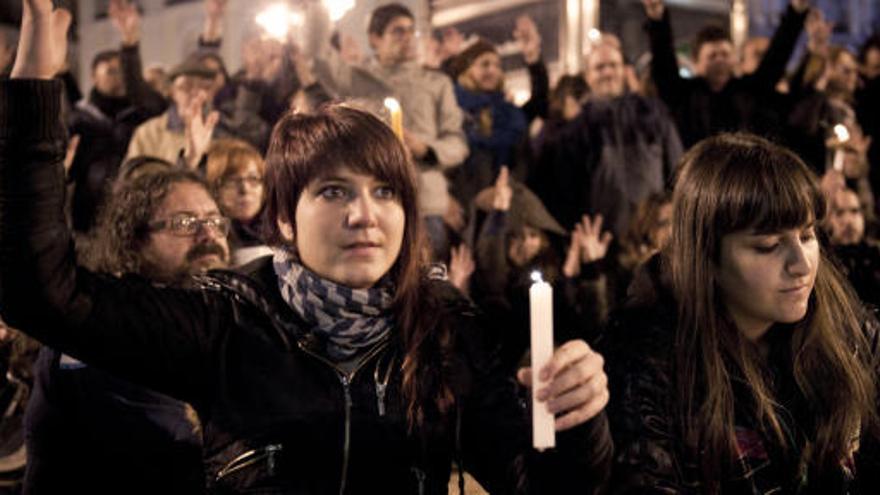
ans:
(345, 320)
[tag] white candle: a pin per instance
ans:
(842, 135)
(393, 107)
(541, 309)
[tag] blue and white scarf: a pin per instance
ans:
(345, 320)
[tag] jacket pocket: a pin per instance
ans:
(252, 471)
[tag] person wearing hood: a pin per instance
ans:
(620, 149)
(518, 237)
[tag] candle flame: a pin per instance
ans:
(841, 132)
(536, 276)
(392, 104)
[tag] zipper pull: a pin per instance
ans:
(380, 397)
(420, 477)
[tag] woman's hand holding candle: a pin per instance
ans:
(578, 387)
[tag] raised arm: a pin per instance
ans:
(772, 66)
(126, 326)
(529, 39)
(127, 21)
(664, 65)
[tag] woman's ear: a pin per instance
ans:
(286, 230)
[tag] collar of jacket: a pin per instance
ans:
(255, 285)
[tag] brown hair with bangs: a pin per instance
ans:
(729, 183)
(307, 147)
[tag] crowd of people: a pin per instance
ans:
(259, 282)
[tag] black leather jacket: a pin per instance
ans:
(278, 417)
(651, 456)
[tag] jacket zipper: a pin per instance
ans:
(345, 379)
(248, 458)
(420, 477)
(382, 386)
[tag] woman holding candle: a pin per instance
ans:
(744, 364)
(334, 366)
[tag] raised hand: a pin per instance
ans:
(127, 21)
(503, 193)
(416, 146)
(528, 38)
(578, 388)
(654, 9)
(571, 268)
(451, 43)
(42, 46)
(72, 146)
(818, 32)
(461, 267)
(302, 65)
(800, 5)
(199, 129)
(215, 12)
(350, 50)
(592, 242)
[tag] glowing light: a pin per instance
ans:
(536, 276)
(277, 20)
(338, 8)
(396, 112)
(594, 35)
(521, 96)
(841, 132)
(392, 105)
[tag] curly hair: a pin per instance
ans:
(122, 227)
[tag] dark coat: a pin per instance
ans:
(277, 415)
(104, 125)
(741, 105)
(90, 432)
(615, 154)
(651, 456)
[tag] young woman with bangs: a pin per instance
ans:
(336, 365)
(745, 364)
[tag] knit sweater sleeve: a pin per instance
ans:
(148, 335)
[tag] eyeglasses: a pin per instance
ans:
(252, 181)
(186, 225)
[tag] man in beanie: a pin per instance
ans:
(432, 120)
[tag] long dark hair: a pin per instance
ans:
(729, 183)
(305, 147)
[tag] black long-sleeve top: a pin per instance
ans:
(700, 112)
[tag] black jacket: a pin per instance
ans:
(651, 456)
(276, 414)
(741, 105)
(87, 431)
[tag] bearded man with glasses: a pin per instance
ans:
(92, 432)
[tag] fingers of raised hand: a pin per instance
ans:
(212, 120)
